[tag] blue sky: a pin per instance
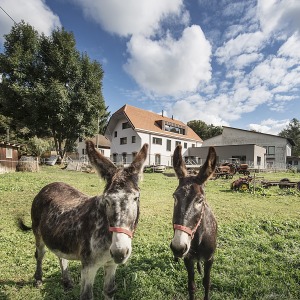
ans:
(226, 62)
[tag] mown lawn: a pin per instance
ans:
(258, 255)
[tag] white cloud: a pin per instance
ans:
(34, 12)
(170, 66)
(195, 108)
(245, 43)
(291, 47)
(279, 16)
(245, 60)
(131, 17)
(159, 63)
(270, 126)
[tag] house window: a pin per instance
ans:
(271, 150)
(296, 163)
(172, 127)
(185, 145)
(193, 145)
(157, 141)
(116, 133)
(115, 157)
(125, 125)
(168, 145)
(124, 157)
(258, 160)
(177, 143)
(9, 153)
(80, 139)
(123, 140)
(133, 139)
(157, 159)
(83, 151)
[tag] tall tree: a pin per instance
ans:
(293, 131)
(203, 130)
(50, 88)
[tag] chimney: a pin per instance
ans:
(162, 113)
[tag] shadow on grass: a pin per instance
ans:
(51, 288)
(15, 284)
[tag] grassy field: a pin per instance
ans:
(258, 255)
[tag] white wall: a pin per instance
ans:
(130, 147)
(165, 155)
(141, 139)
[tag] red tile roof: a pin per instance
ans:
(144, 120)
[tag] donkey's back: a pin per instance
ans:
(64, 219)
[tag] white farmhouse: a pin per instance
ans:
(130, 127)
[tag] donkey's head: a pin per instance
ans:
(121, 198)
(189, 200)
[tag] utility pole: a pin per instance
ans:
(97, 136)
(7, 134)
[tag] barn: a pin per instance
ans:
(8, 156)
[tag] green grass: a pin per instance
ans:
(258, 254)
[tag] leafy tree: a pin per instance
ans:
(4, 127)
(203, 130)
(49, 88)
(293, 131)
(36, 146)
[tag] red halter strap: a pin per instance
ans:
(122, 230)
(188, 230)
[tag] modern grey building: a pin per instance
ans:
(247, 146)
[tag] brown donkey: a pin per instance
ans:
(97, 231)
(195, 227)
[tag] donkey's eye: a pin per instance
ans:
(136, 199)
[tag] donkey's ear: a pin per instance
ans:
(138, 162)
(178, 163)
(209, 166)
(105, 168)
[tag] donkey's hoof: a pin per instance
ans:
(67, 284)
(109, 295)
(38, 283)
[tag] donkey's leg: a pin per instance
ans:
(39, 255)
(189, 264)
(88, 273)
(66, 278)
(206, 279)
(109, 280)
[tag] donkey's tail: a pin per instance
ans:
(22, 226)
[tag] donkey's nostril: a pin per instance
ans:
(120, 255)
(180, 250)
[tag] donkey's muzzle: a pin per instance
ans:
(179, 250)
(120, 248)
(120, 256)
